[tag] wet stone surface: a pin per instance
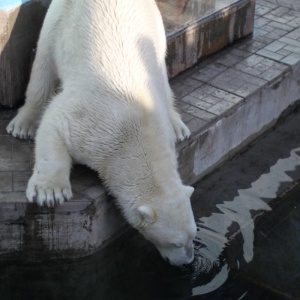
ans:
(197, 29)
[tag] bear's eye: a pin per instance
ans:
(177, 245)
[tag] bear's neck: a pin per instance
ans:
(142, 173)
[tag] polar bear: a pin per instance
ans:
(114, 112)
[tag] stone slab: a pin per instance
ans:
(197, 29)
(75, 229)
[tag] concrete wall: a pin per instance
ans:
(239, 126)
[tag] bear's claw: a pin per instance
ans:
(48, 193)
(22, 126)
(181, 130)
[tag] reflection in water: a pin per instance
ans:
(213, 230)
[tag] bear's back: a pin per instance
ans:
(105, 44)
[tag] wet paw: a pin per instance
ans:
(48, 191)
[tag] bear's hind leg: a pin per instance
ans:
(50, 182)
(181, 130)
(41, 86)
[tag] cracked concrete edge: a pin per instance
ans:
(251, 117)
(77, 228)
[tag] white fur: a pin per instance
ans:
(114, 113)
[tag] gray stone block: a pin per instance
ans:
(222, 23)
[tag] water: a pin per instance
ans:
(213, 230)
(273, 272)
(247, 246)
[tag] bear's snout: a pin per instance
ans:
(178, 257)
(190, 253)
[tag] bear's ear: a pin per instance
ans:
(146, 215)
(189, 190)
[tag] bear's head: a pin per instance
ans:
(169, 224)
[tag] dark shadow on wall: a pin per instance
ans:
(24, 24)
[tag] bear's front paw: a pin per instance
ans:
(22, 125)
(181, 130)
(48, 191)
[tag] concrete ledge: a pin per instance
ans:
(239, 125)
(205, 28)
(77, 228)
(227, 101)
